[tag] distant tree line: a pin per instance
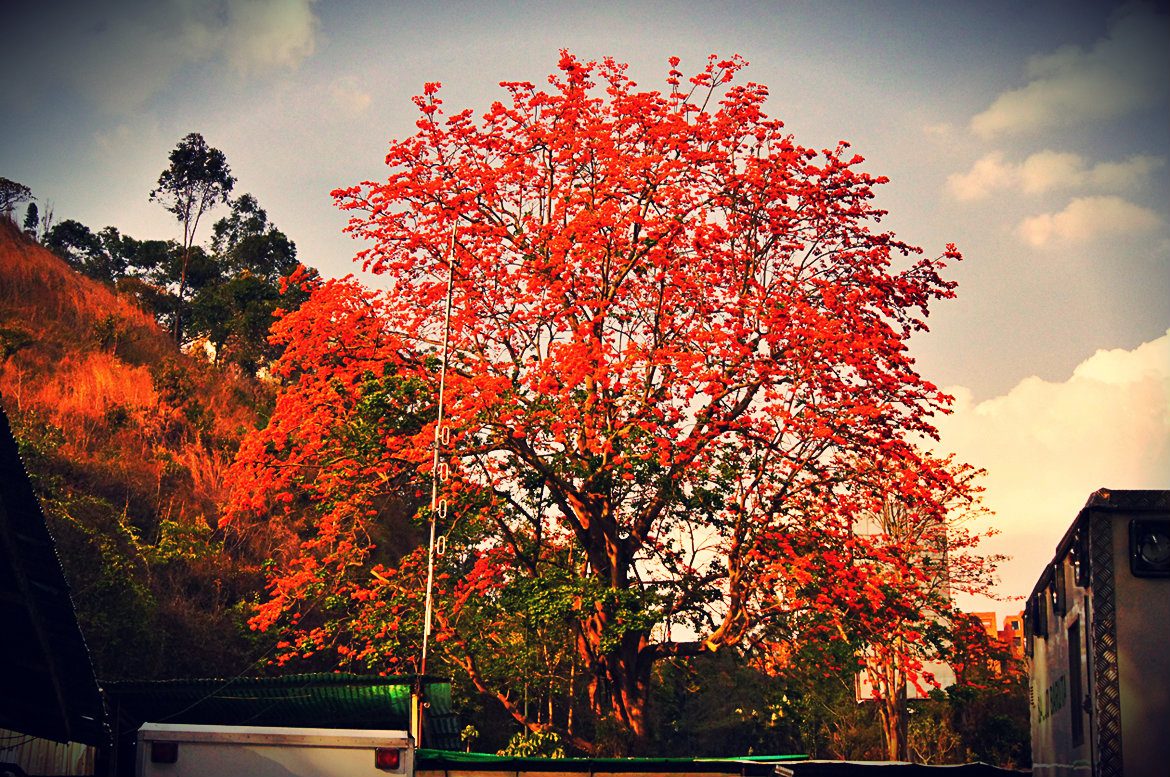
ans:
(223, 293)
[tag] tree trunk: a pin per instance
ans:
(895, 720)
(177, 330)
(619, 688)
(894, 727)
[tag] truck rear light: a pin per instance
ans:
(1149, 548)
(164, 752)
(388, 759)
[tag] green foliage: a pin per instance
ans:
(108, 255)
(992, 718)
(108, 331)
(98, 548)
(155, 596)
(197, 179)
(612, 738)
(247, 242)
(388, 405)
(469, 735)
(14, 337)
(127, 466)
(177, 386)
(181, 542)
(535, 744)
(235, 306)
(227, 293)
(151, 297)
(715, 705)
(75, 243)
(931, 732)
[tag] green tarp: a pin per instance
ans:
(753, 766)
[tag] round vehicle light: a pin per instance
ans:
(388, 759)
(1149, 548)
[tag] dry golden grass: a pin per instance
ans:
(128, 441)
(39, 289)
(77, 356)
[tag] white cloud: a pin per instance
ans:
(348, 96)
(1086, 219)
(985, 176)
(1046, 446)
(1121, 176)
(1048, 170)
(1122, 72)
(262, 34)
(123, 55)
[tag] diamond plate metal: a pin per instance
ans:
(1106, 680)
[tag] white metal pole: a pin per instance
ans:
(417, 722)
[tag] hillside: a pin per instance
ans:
(127, 441)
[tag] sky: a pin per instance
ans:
(1034, 135)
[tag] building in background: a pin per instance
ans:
(988, 621)
(1012, 634)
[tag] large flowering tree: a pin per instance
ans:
(674, 333)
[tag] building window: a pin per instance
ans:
(1080, 556)
(1059, 590)
(1076, 694)
(1039, 615)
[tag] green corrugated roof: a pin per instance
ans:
(304, 700)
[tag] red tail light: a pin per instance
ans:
(388, 759)
(164, 752)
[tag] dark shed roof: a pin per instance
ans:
(47, 685)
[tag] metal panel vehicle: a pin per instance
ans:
(1097, 638)
(187, 750)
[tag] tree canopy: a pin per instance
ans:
(234, 309)
(11, 195)
(675, 332)
(32, 221)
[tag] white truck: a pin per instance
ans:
(186, 750)
(1098, 642)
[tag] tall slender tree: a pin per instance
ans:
(197, 179)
